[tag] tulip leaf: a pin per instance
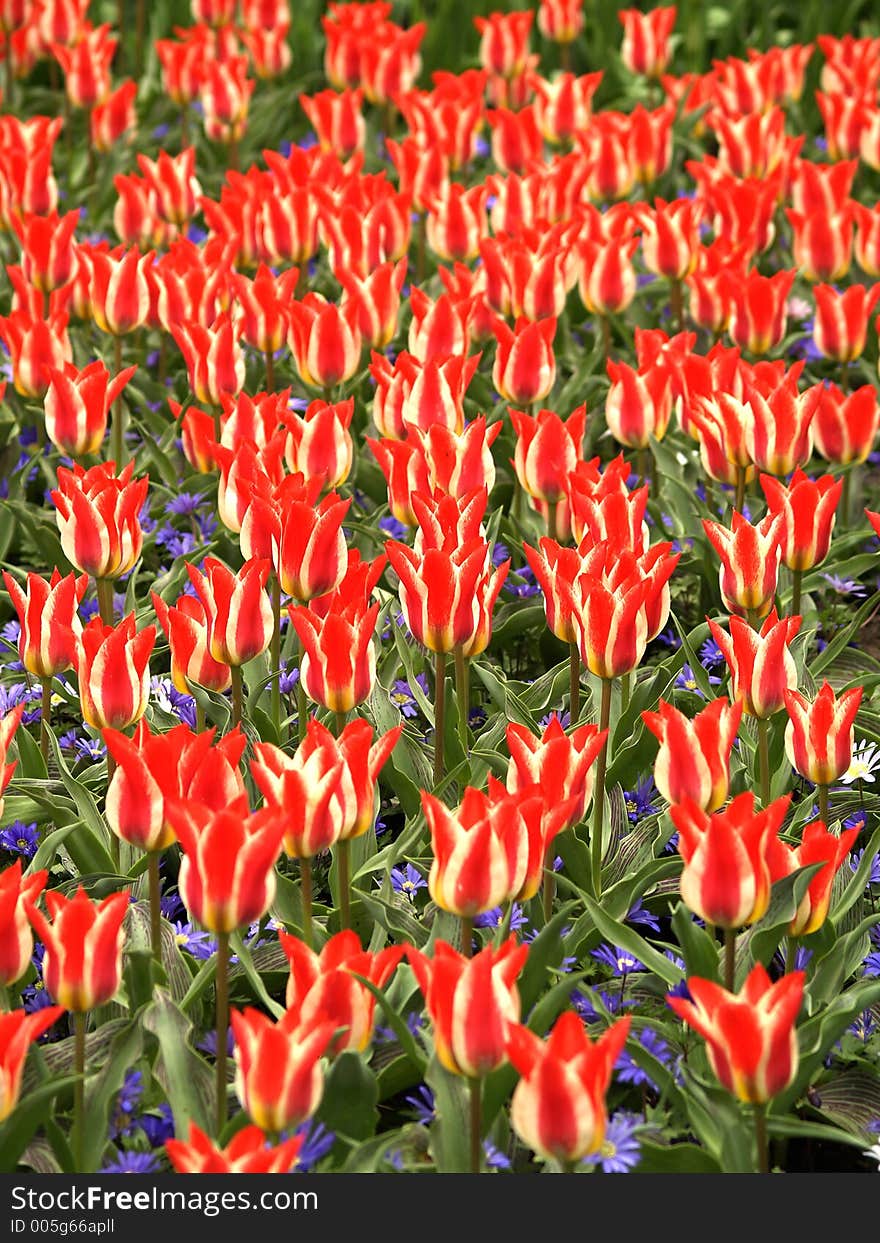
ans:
(396, 917)
(184, 1076)
(101, 1091)
(700, 952)
(397, 1024)
(348, 1105)
(450, 1129)
(32, 1111)
(763, 938)
(628, 939)
(675, 1159)
(87, 848)
(254, 978)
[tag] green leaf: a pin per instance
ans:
(185, 1077)
(763, 937)
(31, 1112)
(451, 1128)
(675, 1159)
(628, 939)
(101, 1091)
(239, 948)
(88, 848)
(404, 1036)
(700, 952)
(348, 1105)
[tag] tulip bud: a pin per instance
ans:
(50, 628)
(278, 1076)
(246, 1153)
(750, 558)
(17, 893)
(77, 406)
(645, 49)
(761, 665)
(525, 367)
(819, 735)
(98, 516)
(693, 762)
(18, 1031)
(807, 508)
(750, 1035)
(472, 1003)
(238, 610)
(113, 672)
(82, 966)
(572, 1071)
(817, 846)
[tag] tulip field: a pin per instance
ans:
(440, 607)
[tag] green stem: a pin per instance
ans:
(270, 372)
(796, 583)
(155, 909)
(78, 1137)
(790, 953)
(599, 790)
(574, 683)
(845, 495)
(302, 707)
(140, 26)
(642, 463)
(305, 882)
(822, 791)
(117, 429)
(343, 860)
(339, 719)
(655, 476)
(200, 718)
(764, 759)
(276, 655)
(625, 685)
(9, 80)
(552, 507)
(104, 588)
(463, 693)
(761, 1139)
(45, 717)
(467, 935)
(549, 890)
(439, 714)
(222, 1024)
(476, 1095)
(676, 305)
(740, 489)
(237, 689)
(729, 958)
(605, 331)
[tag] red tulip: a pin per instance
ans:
(757, 321)
(726, 878)
(525, 367)
(225, 92)
(82, 967)
(173, 181)
(556, 570)
(470, 872)
(504, 41)
(819, 734)
(47, 248)
(841, 324)
(761, 665)
(119, 296)
(86, 65)
(9, 723)
(645, 48)
(237, 608)
(337, 120)
(37, 347)
(246, 1153)
(323, 986)
(227, 873)
(278, 1076)
(263, 302)
(472, 1003)
(750, 556)
(808, 509)
(558, 1107)
(151, 768)
(547, 449)
(638, 404)
(325, 341)
(822, 243)
(561, 764)
(319, 443)
(817, 846)
(18, 1031)
(670, 237)
(114, 117)
(50, 628)
(16, 940)
(186, 628)
(113, 672)
(213, 358)
(845, 426)
(77, 405)
(561, 20)
(693, 762)
(750, 1035)
(98, 516)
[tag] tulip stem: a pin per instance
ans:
(155, 909)
(270, 372)
(552, 510)
(822, 791)
(305, 882)
(343, 860)
(676, 305)
(764, 759)
(200, 718)
(790, 953)
(439, 714)
(476, 1094)
(117, 430)
(796, 581)
(605, 332)
(45, 717)
(642, 463)
(845, 494)
(302, 708)
(467, 935)
(599, 793)
(78, 1136)
(549, 892)
(9, 81)
(740, 489)
(625, 691)
(463, 692)
(105, 600)
(761, 1138)
(140, 26)
(276, 655)
(574, 683)
(339, 719)
(729, 958)
(237, 685)
(222, 1012)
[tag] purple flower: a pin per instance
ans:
(132, 1163)
(620, 1151)
(495, 918)
(422, 1102)
(621, 961)
(20, 839)
(408, 881)
(316, 1144)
